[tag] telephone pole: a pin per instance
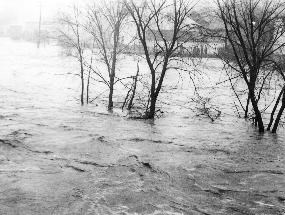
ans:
(40, 25)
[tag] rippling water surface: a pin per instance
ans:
(60, 158)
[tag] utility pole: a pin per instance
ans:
(40, 25)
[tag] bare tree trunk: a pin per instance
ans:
(274, 109)
(134, 89)
(82, 88)
(82, 78)
(126, 99)
(151, 113)
(88, 80)
(116, 37)
(246, 108)
(155, 91)
(87, 88)
(258, 117)
(279, 114)
(111, 92)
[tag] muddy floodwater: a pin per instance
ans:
(59, 158)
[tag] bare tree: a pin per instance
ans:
(71, 37)
(280, 66)
(253, 31)
(162, 29)
(105, 24)
(134, 87)
(88, 78)
(129, 99)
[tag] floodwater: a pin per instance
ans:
(57, 157)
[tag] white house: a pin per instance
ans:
(192, 42)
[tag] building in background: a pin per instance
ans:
(15, 32)
(31, 31)
(194, 41)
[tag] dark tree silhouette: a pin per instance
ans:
(162, 29)
(70, 37)
(253, 31)
(105, 24)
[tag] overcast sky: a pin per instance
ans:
(21, 11)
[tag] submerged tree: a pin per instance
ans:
(71, 38)
(280, 67)
(163, 28)
(105, 24)
(254, 31)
